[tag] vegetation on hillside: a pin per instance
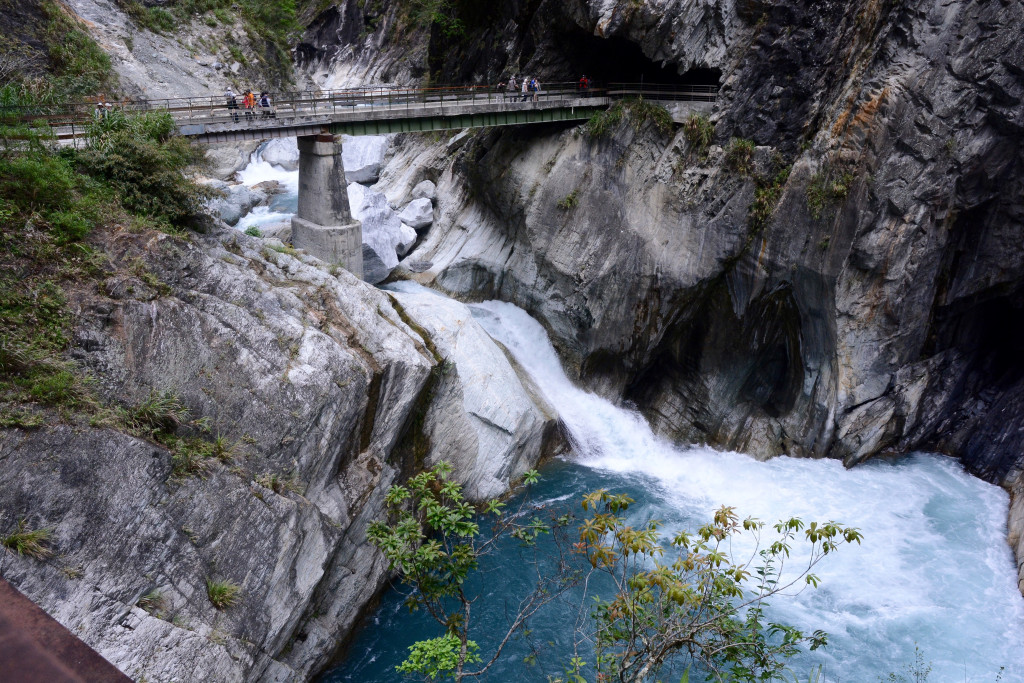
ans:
(56, 204)
(271, 26)
(637, 110)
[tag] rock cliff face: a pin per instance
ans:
(326, 391)
(837, 294)
(851, 289)
(846, 285)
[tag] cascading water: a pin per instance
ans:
(934, 570)
(282, 206)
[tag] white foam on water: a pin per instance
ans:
(259, 171)
(262, 215)
(934, 569)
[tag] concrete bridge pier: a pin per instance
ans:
(323, 225)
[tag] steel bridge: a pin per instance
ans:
(375, 111)
(323, 224)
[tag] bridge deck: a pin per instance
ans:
(380, 110)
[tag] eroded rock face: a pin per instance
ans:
(283, 152)
(362, 156)
(314, 380)
(825, 301)
(491, 423)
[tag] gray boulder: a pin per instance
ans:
(424, 190)
(408, 240)
(382, 231)
(237, 201)
(485, 419)
(419, 213)
(227, 158)
(363, 156)
(283, 152)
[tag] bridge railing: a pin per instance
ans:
(215, 108)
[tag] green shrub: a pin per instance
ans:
(144, 163)
(37, 182)
(31, 542)
(222, 594)
(253, 231)
(698, 131)
(68, 226)
(639, 111)
(569, 201)
(739, 156)
(601, 123)
(642, 111)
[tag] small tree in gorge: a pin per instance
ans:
(701, 601)
(433, 539)
(689, 597)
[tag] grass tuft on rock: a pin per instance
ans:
(698, 131)
(30, 542)
(222, 594)
(638, 110)
(739, 156)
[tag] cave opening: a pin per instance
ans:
(617, 60)
(990, 332)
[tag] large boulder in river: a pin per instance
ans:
(424, 190)
(408, 240)
(237, 201)
(283, 152)
(419, 213)
(486, 419)
(227, 158)
(382, 231)
(363, 156)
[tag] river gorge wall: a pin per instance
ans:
(864, 265)
(847, 285)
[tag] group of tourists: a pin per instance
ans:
(528, 88)
(250, 101)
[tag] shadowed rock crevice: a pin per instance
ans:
(718, 369)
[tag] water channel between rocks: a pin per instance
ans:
(934, 571)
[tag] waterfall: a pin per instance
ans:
(934, 570)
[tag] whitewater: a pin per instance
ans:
(934, 571)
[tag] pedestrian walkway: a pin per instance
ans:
(378, 110)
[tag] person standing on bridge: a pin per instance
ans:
(249, 102)
(511, 88)
(525, 88)
(584, 86)
(265, 110)
(536, 90)
(232, 104)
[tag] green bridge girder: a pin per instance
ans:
(421, 124)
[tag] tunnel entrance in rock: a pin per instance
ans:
(617, 60)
